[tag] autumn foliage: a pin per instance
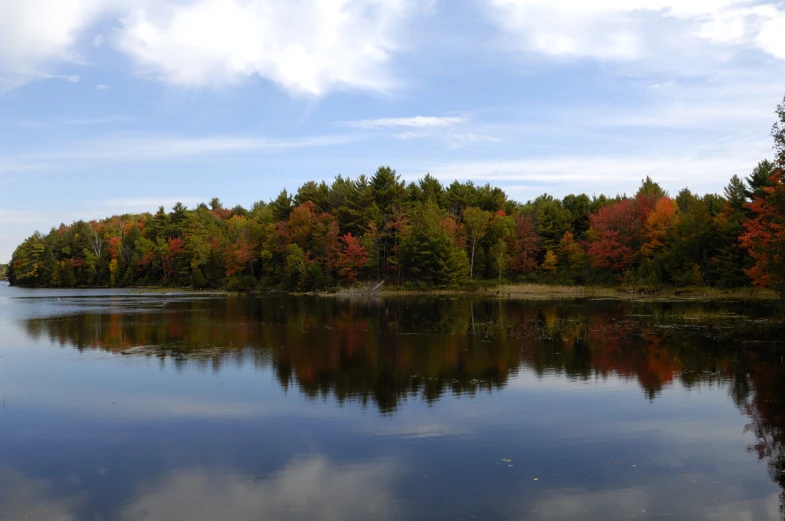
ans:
(764, 235)
(352, 258)
(614, 234)
(426, 233)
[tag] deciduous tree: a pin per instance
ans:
(353, 257)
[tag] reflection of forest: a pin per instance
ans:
(764, 402)
(384, 352)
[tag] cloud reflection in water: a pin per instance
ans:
(304, 489)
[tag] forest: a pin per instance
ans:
(425, 234)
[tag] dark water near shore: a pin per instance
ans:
(127, 406)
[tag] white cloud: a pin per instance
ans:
(306, 46)
(35, 33)
(411, 122)
(771, 37)
(627, 30)
(102, 86)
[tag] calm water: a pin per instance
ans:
(126, 406)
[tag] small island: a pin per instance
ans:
(424, 235)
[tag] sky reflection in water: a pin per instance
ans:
(126, 406)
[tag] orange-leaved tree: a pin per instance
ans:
(764, 234)
(659, 222)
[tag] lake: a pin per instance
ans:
(122, 405)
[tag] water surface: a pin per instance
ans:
(119, 405)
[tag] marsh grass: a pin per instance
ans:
(554, 291)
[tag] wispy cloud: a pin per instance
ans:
(70, 78)
(20, 216)
(141, 148)
(661, 85)
(102, 86)
(420, 122)
(450, 131)
(464, 139)
(74, 121)
(528, 178)
(645, 31)
(147, 204)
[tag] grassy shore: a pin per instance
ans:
(507, 291)
(548, 291)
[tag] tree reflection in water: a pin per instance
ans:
(384, 352)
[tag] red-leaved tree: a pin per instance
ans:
(353, 257)
(524, 245)
(764, 236)
(613, 236)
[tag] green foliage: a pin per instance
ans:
(553, 220)
(651, 189)
(28, 268)
(429, 254)
(281, 207)
(316, 193)
(760, 179)
(500, 257)
(426, 234)
(379, 229)
(475, 221)
(736, 193)
(242, 284)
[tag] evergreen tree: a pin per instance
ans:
(282, 206)
(429, 253)
(759, 179)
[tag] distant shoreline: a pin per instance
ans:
(505, 291)
(502, 291)
(545, 291)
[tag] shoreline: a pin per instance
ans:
(503, 291)
(556, 292)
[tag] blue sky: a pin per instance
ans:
(112, 106)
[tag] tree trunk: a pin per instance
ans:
(471, 270)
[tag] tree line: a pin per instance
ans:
(427, 234)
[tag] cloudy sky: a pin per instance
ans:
(111, 106)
